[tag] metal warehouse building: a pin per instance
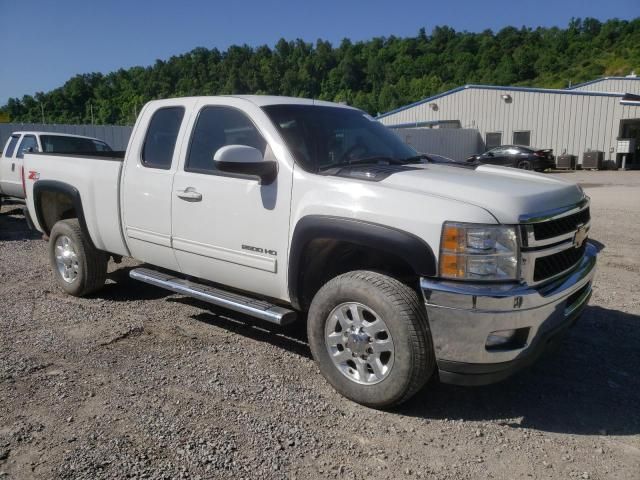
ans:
(592, 116)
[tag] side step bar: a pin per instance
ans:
(221, 298)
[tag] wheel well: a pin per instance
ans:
(324, 259)
(53, 207)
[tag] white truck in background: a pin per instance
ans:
(19, 143)
(403, 266)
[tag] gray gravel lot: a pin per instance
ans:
(136, 382)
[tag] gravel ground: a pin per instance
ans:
(135, 382)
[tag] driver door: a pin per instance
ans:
(228, 228)
(494, 157)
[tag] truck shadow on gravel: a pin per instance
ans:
(123, 288)
(292, 338)
(13, 225)
(588, 386)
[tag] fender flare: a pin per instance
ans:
(42, 186)
(409, 247)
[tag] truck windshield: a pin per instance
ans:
(321, 137)
(62, 144)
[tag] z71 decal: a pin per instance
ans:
(33, 175)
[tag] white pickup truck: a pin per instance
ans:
(19, 143)
(403, 267)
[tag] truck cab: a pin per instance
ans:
(19, 143)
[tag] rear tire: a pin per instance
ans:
(358, 314)
(78, 267)
(525, 165)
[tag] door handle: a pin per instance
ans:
(190, 195)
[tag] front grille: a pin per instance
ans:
(552, 265)
(560, 226)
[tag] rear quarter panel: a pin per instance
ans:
(97, 181)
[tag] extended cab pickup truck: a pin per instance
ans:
(19, 143)
(282, 208)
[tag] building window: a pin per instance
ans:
(522, 138)
(493, 140)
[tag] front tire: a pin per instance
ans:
(369, 335)
(78, 267)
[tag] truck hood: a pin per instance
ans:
(507, 193)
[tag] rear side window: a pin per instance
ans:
(12, 146)
(28, 144)
(72, 145)
(218, 127)
(160, 141)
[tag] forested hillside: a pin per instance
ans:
(375, 75)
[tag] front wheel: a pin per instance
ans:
(369, 335)
(78, 267)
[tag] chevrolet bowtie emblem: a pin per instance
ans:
(580, 236)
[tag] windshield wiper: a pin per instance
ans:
(371, 160)
(375, 159)
(415, 159)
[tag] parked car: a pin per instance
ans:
(11, 175)
(518, 156)
(288, 209)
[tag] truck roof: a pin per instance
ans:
(264, 100)
(57, 134)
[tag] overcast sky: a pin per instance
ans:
(44, 43)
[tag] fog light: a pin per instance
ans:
(500, 338)
(507, 339)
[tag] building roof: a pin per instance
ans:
(601, 79)
(559, 91)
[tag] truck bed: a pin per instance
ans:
(96, 176)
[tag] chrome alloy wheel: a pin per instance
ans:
(359, 343)
(66, 259)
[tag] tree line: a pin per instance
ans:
(375, 75)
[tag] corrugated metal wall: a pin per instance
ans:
(566, 122)
(455, 143)
(616, 84)
(116, 136)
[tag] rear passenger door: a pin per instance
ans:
(148, 178)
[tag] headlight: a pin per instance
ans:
(478, 252)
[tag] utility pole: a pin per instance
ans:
(91, 110)
(42, 111)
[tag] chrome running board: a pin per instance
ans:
(221, 298)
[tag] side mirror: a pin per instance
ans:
(245, 160)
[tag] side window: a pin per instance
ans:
(215, 128)
(493, 140)
(522, 138)
(160, 141)
(28, 144)
(11, 146)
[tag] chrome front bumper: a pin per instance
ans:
(462, 315)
